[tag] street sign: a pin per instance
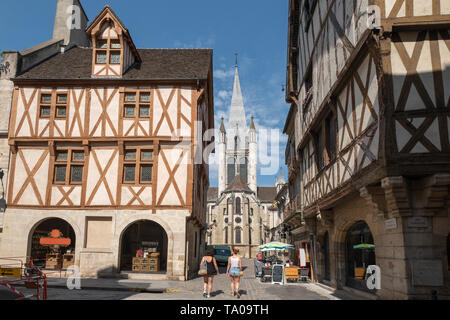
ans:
(10, 272)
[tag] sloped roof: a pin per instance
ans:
(267, 194)
(157, 64)
(237, 184)
(212, 193)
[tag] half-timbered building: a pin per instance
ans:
(368, 150)
(102, 141)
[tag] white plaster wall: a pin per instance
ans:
(101, 196)
(31, 157)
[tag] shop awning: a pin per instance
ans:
(364, 246)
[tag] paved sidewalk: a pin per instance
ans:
(251, 289)
(112, 284)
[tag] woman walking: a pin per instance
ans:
(211, 271)
(234, 270)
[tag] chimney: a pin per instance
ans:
(70, 23)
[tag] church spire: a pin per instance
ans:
(237, 121)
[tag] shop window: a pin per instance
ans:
(69, 166)
(138, 165)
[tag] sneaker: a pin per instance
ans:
(208, 296)
(204, 294)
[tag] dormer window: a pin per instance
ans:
(113, 49)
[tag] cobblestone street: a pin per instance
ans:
(251, 289)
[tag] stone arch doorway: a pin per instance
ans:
(147, 235)
(52, 257)
(359, 254)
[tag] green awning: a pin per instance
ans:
(364, 246)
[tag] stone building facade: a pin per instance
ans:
(369, 144)
(102, 143)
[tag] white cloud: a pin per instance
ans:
(223, 74)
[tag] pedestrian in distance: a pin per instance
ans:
(211, 271)
(234, 271)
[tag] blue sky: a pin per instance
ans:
(256, 30)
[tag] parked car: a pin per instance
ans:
(222, 253)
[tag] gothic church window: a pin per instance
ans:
(238, 233)
(238, 205)
(243, 169)
(230, 170)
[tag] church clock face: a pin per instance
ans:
(238, 220)
(226, 220)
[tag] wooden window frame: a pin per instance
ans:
(53, 105)
(61, 105)
(69, 163)
(115, 51)
(47, 105)
(138, 163)
(137, 104)
(108, 51)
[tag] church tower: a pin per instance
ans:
(237, 144)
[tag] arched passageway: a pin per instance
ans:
(147, 236)
(53, 256)
(359, 254)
